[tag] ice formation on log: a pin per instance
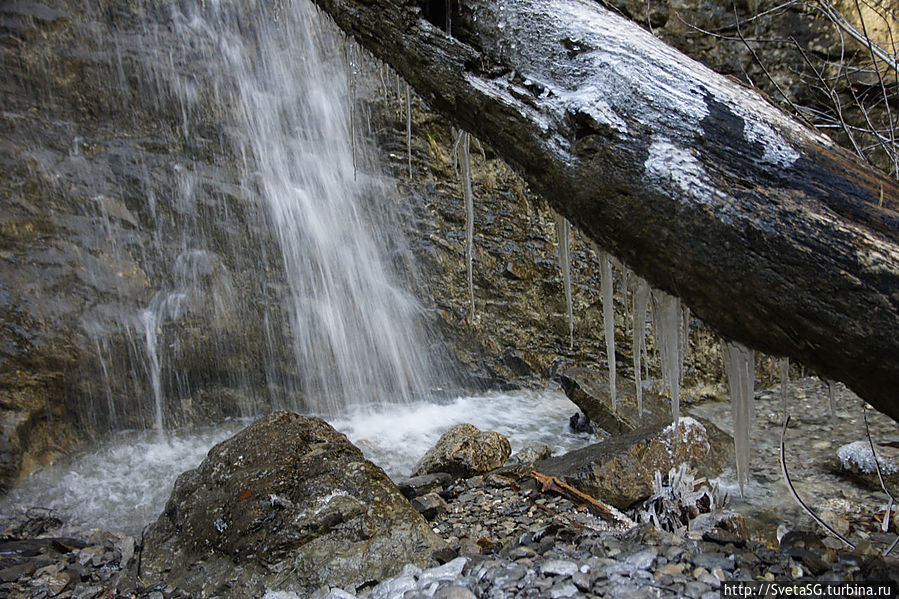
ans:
(563, 234)
(641, 303)
(608, 319)
(667, 317)
(739, 363)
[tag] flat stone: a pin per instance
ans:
(710, 561)
(415, 486)
(566, 590)
(430, 505)
(620, 471)
(454, 592)
(447, 572)
(559, 567)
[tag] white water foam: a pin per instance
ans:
(121, 484)
(396, 437)
(124, 482)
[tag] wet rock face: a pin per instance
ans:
(620, 471)
(108, 207)
(289, 503)
(465, 450)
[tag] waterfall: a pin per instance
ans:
(354, 330)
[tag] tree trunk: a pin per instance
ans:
(768, 231)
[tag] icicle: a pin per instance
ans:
(832, 397)
(739, 363)
(641, 302)
(667, 315)
(409, 127)
(563, 233)
(784, 383)
(608, 319)
(685, 337)
(465, 161)
(449, 17)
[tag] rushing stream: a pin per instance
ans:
(124, 482)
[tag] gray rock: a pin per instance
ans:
(464, 451)
(415, 486)
(620, 471)
(565, 590)
(454, 592)
(710, 561)
(558, 567)
(394, 587)
(447, 572)
(287, 501)
(430, 505)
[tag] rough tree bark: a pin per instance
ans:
(770, 233)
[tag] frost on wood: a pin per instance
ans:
(608, 319)
(667, 317)
(563, 242)
(641, 303)
(739, 362)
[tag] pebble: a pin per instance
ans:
(558, 567)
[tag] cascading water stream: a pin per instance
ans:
(354, 330)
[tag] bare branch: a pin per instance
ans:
(813, 515)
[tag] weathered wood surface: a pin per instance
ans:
(769, 232)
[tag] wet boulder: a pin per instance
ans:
(620, 470)
(288, 503)
(465, 450)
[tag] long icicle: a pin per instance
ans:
(465, 163)
(667, 315)
(608, 319)
(563, 234)
(784, 383)
(739, 363)
(641, 302)
(409, 127)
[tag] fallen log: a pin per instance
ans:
(768, 231)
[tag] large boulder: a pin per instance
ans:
(288, 503)
(465, 450)
(620, 471)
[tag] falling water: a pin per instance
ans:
(354, 330)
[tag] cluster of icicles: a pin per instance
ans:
(670, 319)
(671, 324)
